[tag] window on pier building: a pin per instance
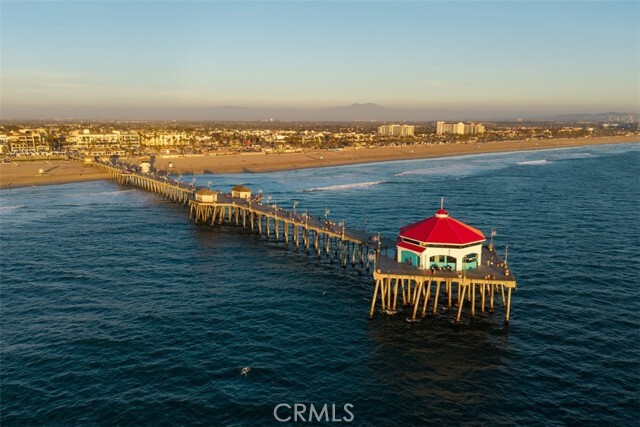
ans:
(442, 261)
(410, 258)
(470, 261)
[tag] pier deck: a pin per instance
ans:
(415, 285)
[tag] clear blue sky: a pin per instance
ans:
(573, 56)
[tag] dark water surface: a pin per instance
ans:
(115, 310)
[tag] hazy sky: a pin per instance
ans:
(578, 56)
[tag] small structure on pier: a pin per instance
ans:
(241, 191)
(440, 242)
(145, 167)
(205, 195)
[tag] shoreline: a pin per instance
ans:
(261, 163)
(26, 174)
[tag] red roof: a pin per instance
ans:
(410, 246)
(442, 229)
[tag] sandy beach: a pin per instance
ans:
(254, 163)
(21, 174)
(26, 174)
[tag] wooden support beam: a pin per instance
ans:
(426, 298)
(417, 301)
(373, 300)
(461, 303)
(508, 312)
(435, 298)
(395, 295)
(473, 299)
(491, 296)
(383, 292)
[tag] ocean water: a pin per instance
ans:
(116, 310)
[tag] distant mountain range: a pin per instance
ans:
(349, 113)
(353, 112)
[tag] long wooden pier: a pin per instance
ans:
(163, 186)
(420, 291)
(300, 229)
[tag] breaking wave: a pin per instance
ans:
(342, 187)
(10, 208)
(533, 162)
(453, 169)
(114, 193)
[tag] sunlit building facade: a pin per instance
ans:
(396, 130)
(459, 128)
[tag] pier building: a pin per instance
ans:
(205, 195)
(440, 242)
(442, 254)
(241, 191)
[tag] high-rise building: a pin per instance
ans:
(396, 130)
(459, 128)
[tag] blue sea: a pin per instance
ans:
(116, 310)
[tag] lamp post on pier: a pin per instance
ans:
(506, 257)
(376, 239)
(371, 258)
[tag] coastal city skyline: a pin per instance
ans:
(252, 60)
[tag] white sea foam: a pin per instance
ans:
(533, 162)
(454, 169)
(342, 187)
(10, 208)
(114, 193)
